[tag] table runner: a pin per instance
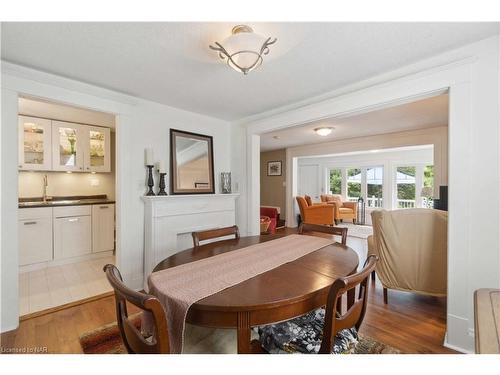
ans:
(179, 287)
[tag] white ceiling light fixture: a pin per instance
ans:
(243, 50)
(323, 131)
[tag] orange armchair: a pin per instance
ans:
(322, 214)
(342, 210)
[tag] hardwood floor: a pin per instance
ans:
(410, 323)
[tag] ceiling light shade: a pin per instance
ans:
(324, 131)
(243, 50)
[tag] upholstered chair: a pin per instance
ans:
(315, 213)
(411, 245)
(342, 210)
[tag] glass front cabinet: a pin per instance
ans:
(63, 146)
(34, 143)
(97, 150)
(67, 146)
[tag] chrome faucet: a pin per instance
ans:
(45, 185)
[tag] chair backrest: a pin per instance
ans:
(353, 317)
(214, 233)
(302, 206)
(308, 200)
(412, 246)
(132, 338)
(337, 231)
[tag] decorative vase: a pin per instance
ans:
(225, 182)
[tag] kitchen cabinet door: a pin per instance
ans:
(103, 227)
(97, 151)
(67, 146)
(35, 138)
(35, 235)
(72, 236)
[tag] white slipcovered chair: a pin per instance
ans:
(411, 245)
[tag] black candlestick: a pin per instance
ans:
(150, 180)
(162, 184)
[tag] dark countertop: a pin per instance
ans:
(64, 201)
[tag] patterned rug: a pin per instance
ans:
(107, 340)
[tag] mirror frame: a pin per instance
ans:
(173, 163)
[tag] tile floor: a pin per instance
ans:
(55, 286)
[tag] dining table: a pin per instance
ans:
(287, 291)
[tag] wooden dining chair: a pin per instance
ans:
(135, 342)
(214, 233)
(337, 231)
(324, 330)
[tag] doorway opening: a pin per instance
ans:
(66, 203)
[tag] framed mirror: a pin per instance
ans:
(191, 163)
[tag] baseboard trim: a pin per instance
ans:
(65, 306)
(454, 347)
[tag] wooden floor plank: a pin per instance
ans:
(409, 322)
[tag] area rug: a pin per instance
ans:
(359, 231)
(107, 340)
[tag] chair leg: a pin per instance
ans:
(373, 275)
(385, 296)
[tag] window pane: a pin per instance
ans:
(353, 184)
(405, 181)
(335, 181)
(427, 191)
(374, 181)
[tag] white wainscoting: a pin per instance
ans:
(169, 221)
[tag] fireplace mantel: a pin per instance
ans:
(170, 219)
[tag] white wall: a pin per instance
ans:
(140, 124)
(471, 74)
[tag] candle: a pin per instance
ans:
(149, 156)
(161, 166)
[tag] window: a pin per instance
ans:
(374, 182)
(405, 186)
(353, 184)
(335, 181)
(427, 191)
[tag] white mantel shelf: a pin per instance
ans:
(169, 221)
(147, 198)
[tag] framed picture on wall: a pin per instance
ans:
(274, 168)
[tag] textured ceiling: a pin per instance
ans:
(170, 63)
(420, 114)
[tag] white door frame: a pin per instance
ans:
(19, 81)
(456, 78)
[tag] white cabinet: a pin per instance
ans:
(67, 146)
(35, 235)
(72, 231)
(63, 146)
(103, 227)
(97, 149)
(35, 152)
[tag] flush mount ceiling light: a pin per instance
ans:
(243, 50)
(323, 131)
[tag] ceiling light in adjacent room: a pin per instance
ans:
(243, 50)
(323, 131)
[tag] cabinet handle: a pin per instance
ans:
(103, 207)
(73, 220)
(81, 168)
(30, 222)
